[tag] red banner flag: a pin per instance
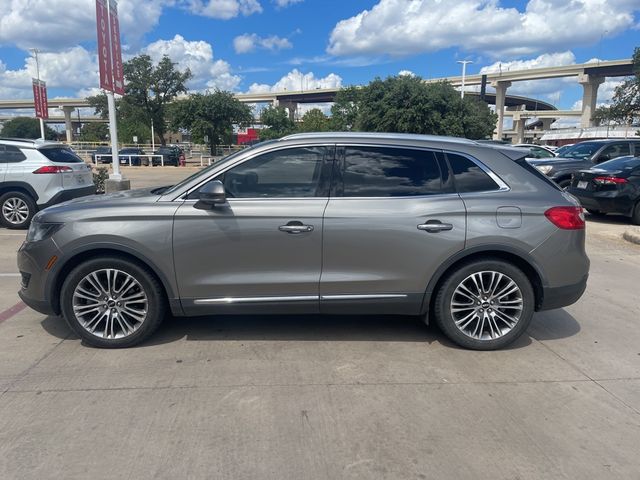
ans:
(44, 104)
(36, 98)
(102, 19)
(116, 52)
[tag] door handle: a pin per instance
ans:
(295, 227)
(435, 226)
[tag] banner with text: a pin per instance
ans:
(116, 52)
(40, 99)
(104, 45)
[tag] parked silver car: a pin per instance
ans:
(334, 223)
(35, 175)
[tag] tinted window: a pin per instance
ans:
(389, 172)
(614, 151)
(61, 155)
(582, 150)
(468, 176)
(621, 163)
(293, 172)
(10, 154)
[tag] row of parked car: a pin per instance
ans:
(603, 174)
(167, 155)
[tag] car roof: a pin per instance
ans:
(31, 143)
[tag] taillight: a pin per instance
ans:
(609, 180)
(567, 218)
(54, 169)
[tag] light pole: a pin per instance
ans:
(464, 74)
(35, 52)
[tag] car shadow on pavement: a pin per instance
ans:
(316, 328)
(609, 219)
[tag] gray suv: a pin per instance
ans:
(466, 234)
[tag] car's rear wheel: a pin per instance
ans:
(635, 218)
(16, 210)
(484, 304)
(112, 302)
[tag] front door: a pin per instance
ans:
(262, 250)
(392, 219)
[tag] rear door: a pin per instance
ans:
(391, 221)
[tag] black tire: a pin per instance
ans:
(8, 216)
(444, 316)
(147, 282)
(564, 184)
(635, 218)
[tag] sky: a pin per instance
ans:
(272, 45)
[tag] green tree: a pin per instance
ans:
(406, 104)
(276, 122)
(625, 105)
(150, 88)
(210, 115)
(26, 127)
(344, 111)
(94, 132)
(314, 121)
(131, 120)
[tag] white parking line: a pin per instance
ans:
(9, 274)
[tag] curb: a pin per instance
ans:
(632, 235)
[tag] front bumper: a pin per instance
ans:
(33, 259)
(70, 194)
(558, 297)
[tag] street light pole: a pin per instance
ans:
(464, 74)
(35, 52)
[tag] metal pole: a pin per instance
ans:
(153, 138)
(464, 74)
(35, 52)
(113, 133)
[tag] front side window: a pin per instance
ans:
(11, 154)
(468, 176)
(614, 151)
(388, 172)
(294, 172)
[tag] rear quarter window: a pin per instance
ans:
(11, 154)
(468, 176)
(61, 155)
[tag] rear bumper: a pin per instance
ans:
(605, 202)
(64, 195)
(558, 297)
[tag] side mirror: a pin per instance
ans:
(211, 194)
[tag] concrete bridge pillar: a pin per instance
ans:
(590, 84)
(546, 123)
(67, 122)
(501, 93)
(291, 107)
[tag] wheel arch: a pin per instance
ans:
(22, 187)
(97, 251)
(520, 259)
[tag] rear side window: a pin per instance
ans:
(468, 176)
(61, 155)
(11, 154)
(388, 172)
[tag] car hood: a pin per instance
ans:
(110, 200)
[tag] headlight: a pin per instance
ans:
(39, 231)
(544, 168)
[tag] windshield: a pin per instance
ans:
(620, 163)
(581, 150)
(206, 170)
(61, 155)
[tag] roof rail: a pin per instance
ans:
(396, 136)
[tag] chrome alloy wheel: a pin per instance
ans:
(15, 210)
(110, 303)
(486, 305)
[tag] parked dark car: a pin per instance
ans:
(170, 153)
(611, 187)
(103, 154)
(582, 156)
(133, 153)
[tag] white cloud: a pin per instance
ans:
(407, 73)
(296, 80)
(249, 42)
(197, 56)
(285, 3)
(55, 25)
(224, 9)
(406, 27)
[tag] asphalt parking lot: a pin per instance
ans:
(328, 397)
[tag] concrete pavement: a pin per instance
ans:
(330, 397)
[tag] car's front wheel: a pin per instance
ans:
(484, 304)
(16, 210)
(112, 302)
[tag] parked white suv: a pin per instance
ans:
(35, 174)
